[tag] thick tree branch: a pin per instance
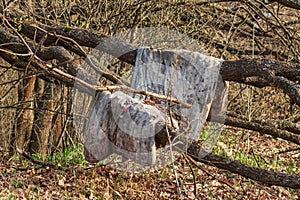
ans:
(261, 175)
(290, 3)
(279, 124)
(236, 70)
(87, 38)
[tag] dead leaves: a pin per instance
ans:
(101, 182)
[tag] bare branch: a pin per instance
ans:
(31, 159)
(263, 129)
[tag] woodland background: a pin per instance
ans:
(42, 44)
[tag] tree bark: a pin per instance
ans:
(43, 119)
(26, 118)
(254, 173)
(290, 3)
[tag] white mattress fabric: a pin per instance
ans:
(127, 124)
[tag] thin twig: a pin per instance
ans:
(31, 159)
(288, 150)
(49, 68)
(210, 174)
(168, 112)
(193, 173)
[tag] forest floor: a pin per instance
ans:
(23, 179)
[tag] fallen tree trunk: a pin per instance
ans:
(262, 175)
